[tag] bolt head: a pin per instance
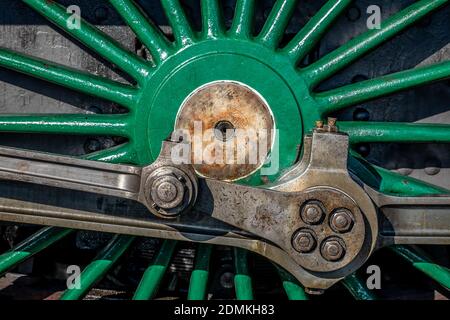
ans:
(304, 241)
(342, 221)
(312, 213)
(167, 192)
(332, 249)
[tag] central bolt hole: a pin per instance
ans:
(224, 130)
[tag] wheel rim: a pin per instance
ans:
(163, 81)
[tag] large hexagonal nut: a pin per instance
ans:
(304, 241)
(342, 220)
(312, 212)
(169, 191)
(333, 249)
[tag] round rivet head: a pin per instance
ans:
(342, 220)
(312, 212)
(432, 167)
(304, 241)
(332, 249)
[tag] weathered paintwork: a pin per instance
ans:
(193, 59)
(218, 54)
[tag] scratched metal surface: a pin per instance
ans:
(23, 30)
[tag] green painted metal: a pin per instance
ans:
(308, 36)
(358, 288)
(153, 39)
(394, 183)
(152, 277)
(31, 246)
(172, 91)
(212, 19)
(244, 16)
(359, 46)
(359, 92)
(123, 153)
(421, 262)
(182, 30)
(364, 132)
(242, 279)
(197, 58)
(99, 267)
(93, 38)
(276, 23)
(87, 124)
(390, 182)
(293, 289)
(199, 277)
(69, 78)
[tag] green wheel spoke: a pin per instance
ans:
(124, 154)
(83, 124)
(313, 31)
(394, 183)
(212, 19)
(356, 93)
(276, 23)
(31, 246)
(146, 31)
(357, 288)
(364, 132)
(152, 277)
(199, 277)
(358, 46)
(176, 16)
(242, 279)
(424, 264)
(70, 78)
(390, 182)
(93, 38)
(293, 289)
(243, 21)
(98, 268)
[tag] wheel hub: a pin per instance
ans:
(235, 126)
(240, 88)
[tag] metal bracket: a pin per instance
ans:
(315, 221)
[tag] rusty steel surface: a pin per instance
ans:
(227, 106)
(316, 198)
(272, 216)
(276, 217)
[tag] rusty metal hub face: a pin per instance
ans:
(230, 127)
